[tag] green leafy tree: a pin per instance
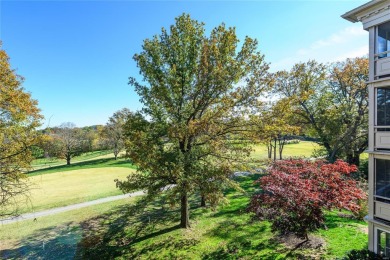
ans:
(198, 89)
(90, 137)
(19, 118)
(273, 125)
(349, 95)
(67, 141)
(114, 130)
(331, 103)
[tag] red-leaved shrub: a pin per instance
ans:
(295, 194)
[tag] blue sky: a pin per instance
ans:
(76, 56)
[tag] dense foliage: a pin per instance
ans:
(362, 254)
(273, 126)
(295, 194)
(66, 141)
(330, 103)
(19, 118)
(113, 131)
(198, 90)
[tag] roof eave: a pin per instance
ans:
(352, 15)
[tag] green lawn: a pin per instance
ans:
(118, 230)
(46, 162)
(70, 187)
(64, 185)
(88, 164)
(51, 237)
(302, 149)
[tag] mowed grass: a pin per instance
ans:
(302, 149)
(118, 230)
(343, 233)
(51, 237)
(88, 164)
(74, 186)
(50, 162)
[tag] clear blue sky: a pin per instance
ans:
(76, 56)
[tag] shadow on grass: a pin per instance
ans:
(115, 234)
(49, 243)
(137, 230)
(244, 240)
(106, 162)
(334, 220)
(103, 237)
(149, 229)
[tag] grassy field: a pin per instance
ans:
(92, 176)
(50, 162)
(51, 237)
(70, 187)
(302, 149)
(88, 164)
(121, 230)
(83, 181)
(117, 230)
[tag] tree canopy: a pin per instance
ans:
(331, 103)
(295, 194)
(195, 91)
(113, 130)
(19, 118)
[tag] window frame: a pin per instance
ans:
(376, 242)
(376, 197)
(376, 126)
(376, 54)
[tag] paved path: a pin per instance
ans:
(67, 208)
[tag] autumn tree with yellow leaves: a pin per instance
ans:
(196, 91)
(19, 118)
(331, 103)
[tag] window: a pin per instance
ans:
(383, 107)
(382, 179)
(383, 40)
(383, 243)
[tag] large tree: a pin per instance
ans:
(90, 136)
(114, 130)
(273, 125)
(197, 90)
(68, 140)
(19, 118)
(348, 84)
(331, 103)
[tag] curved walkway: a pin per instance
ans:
(48, 212)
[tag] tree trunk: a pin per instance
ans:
(202, 202)
(332, 156)
(281, 146)
(269, 148)
(67, 160)
(331, 151)
(353, 159)
(275, 149)
(185, 214)
(116, 151)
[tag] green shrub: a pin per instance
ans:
(363, 254)
(363, 169)
(363, 210)
(293, 141)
